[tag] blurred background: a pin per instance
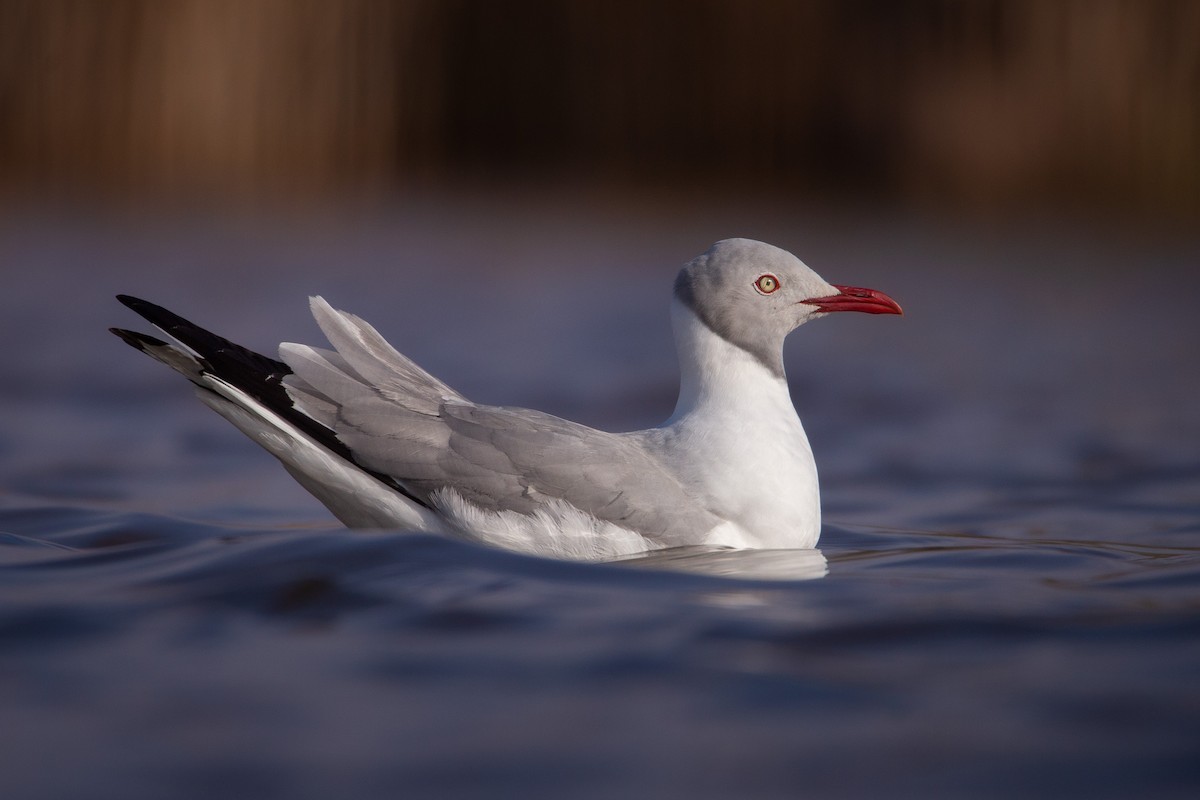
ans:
(977, 105)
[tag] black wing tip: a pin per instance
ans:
(151, 312)
(139, 340)
(130, 301)
(262, 379)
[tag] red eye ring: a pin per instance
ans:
(766, 284)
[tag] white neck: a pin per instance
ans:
(740, 442)
(716, 375)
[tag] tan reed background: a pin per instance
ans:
(980, 103)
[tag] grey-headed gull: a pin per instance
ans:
(382, 443)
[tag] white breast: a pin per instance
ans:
(736, 441)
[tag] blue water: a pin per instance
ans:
(1012, 542)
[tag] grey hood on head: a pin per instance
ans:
(719, 288)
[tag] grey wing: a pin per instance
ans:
(531, 456)
(510, 459)
(400, 421)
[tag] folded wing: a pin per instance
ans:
(400, 421)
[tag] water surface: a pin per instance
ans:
(1012, 540)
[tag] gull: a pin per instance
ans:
(384, 444)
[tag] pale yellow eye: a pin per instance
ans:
(766, 284)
